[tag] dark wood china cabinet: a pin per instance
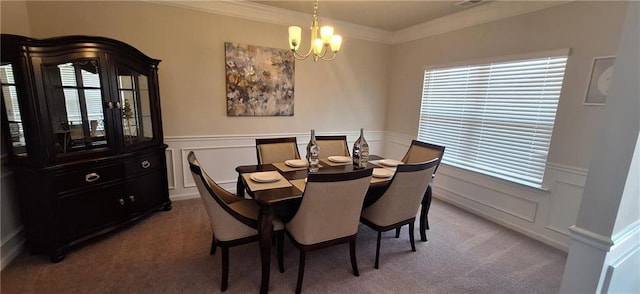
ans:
(83, 134)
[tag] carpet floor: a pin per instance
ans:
(168, 252)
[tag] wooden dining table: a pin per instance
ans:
(283, 199)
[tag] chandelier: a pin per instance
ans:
(321, 45)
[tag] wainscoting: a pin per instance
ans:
(543, 214)
(220, 155)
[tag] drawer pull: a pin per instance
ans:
(132, 198)
(92, 177)
(121, 201)
(145, 164)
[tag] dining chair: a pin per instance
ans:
(328, 214)
(234, 220)
(333, 146)
(399, 204)
(270, 150)
(420, 152)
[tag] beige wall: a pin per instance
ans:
(588, 28)
(15, 19)
(342, 95)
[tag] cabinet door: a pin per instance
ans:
(137, 94)
(75, 94)
(146, 192)
(85, 212)
(11, 108)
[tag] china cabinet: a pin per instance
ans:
(84, 137)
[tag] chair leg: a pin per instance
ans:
(280, 245)
(398, 232)
(354, 262)
(213, 246)
(225, 268)
(424, 214)
(378, 250)
(413, 242)
(300, 272)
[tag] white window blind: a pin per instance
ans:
(494, 118)
(93, 96)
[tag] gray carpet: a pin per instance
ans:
(169, 253)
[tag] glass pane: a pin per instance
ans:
(136, 113)
(12, 106)
(76, 106)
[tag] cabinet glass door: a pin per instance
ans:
(133, 89)
(76, 105)
(12, 108)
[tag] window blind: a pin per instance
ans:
(91, 89)
(494, 118)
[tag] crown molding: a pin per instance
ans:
(488, 12)
(269, 14)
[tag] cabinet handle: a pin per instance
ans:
(110, 105)
(121, 201)
(145, 164)
(118, 104)
(92, 177)
(132, 198)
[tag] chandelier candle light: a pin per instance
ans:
(320, 46)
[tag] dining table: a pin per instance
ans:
(283, 196)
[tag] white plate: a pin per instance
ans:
(390, 162)
(265, 177)
(339, 159)
(296, 162)
(382, 173)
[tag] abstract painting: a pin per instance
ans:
(259, 80)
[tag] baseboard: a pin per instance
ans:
(12, 246)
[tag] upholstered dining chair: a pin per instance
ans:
(399, 204)
(420, 152)
(333, 146)
(328, 214)
(234, 220)
(270, 150)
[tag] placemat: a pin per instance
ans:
(331, 163)
(378, 180)
(255, 186)
(299, 183)
(377, 163)
(283, 167)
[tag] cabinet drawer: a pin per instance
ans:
(142, 164)
(87, 177)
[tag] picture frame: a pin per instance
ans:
(598, 81)
(259, 80)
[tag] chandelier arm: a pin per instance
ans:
(329, 59)
(297, 54)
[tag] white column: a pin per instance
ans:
(604, 255)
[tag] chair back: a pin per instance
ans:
(333, 146)
(421, 152)
(271, 150)
(330, 206)
(402, 199)
(227, 223)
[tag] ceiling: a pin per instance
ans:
(385, 15)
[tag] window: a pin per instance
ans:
(494, 118)
(12, 107)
